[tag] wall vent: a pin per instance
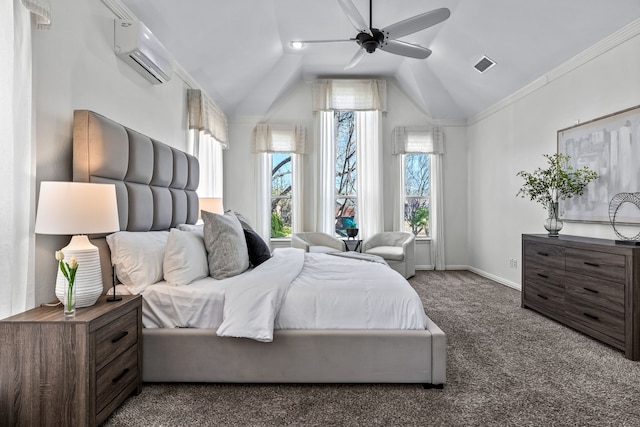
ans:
(484, 64)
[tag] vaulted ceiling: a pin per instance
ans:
(239, 51)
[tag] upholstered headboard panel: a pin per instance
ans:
(155, 183)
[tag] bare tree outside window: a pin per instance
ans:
(417, 184)
(345, 180)
(281, 205)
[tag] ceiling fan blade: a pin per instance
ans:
(416, 23)
(398, 47)
(356, 59)
(354, 16)
(323, 41)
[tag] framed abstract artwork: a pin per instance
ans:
(609, 145)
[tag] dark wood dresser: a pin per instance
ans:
(592, 285)
(56, 372)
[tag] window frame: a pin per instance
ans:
(405, 197)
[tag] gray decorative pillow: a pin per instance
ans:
(226, 246)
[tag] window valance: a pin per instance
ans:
(204, 115)
(42, 11)
(357, 95)
(279, 138)
(417, 139)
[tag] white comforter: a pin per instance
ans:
(292, 290)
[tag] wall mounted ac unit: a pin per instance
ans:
(137, 46)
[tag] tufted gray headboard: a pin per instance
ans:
(155, 183)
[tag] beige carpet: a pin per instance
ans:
(507, 366)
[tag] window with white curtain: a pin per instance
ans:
(417, 192)
(279, 149)
(346, 176)
(281, 190)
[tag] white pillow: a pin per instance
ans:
(138, 257)
(185, 258)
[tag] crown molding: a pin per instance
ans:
(614, 40)
(119, 9)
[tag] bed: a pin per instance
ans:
(156, 191)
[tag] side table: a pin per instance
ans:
(74, 372)
(353, 244)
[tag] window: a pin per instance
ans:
(281, 202)
(346, 198)
(417, 188)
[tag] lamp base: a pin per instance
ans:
(88, 281)
(114, 298)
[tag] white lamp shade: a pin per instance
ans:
(69, 208)
(78, 208)
(211, 204)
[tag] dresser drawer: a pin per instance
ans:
(550, 256)
(543, 275)
(115, 377)
(603, 321)
(595, 292)
(548, 299)
(596, 264)
(116, 337)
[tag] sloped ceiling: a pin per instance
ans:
(239, 52)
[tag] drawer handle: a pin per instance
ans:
(591, 316)
(592, 264)
(543, 275)
(542, 296)
(543, 253)
(590, 290)
(119, 337)
(119, 377)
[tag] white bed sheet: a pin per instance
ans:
(329, 293)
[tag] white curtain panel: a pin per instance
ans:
(437, 213)
(326, 214)
(204, 115)
(297, 192)
(349, 94)
(263, 199)
(209, 153)
(398, 195)
(369, 168)
(17, 159)
(279, 138)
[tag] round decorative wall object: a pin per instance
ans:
(614, 206)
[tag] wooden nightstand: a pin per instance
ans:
(56, 372)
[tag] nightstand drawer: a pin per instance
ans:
(116, 337)
(597, 264)
(551, 256)
(115, 377)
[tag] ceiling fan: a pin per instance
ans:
(369, 38)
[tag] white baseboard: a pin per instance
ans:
(477, 271)
(495, 278)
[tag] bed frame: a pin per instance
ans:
(156, 190)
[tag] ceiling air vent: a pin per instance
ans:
(484, 64)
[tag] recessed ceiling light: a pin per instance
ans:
(296, 45)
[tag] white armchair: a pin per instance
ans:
(317, 242)
(397, 248)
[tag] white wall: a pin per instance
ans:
(513, 136)
(75, 68)
(295, 107)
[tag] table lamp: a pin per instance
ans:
(78, 209)
(211, 204)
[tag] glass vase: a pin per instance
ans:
(69, 303)
(553, 224)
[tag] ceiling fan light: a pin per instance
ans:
(296, 45)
